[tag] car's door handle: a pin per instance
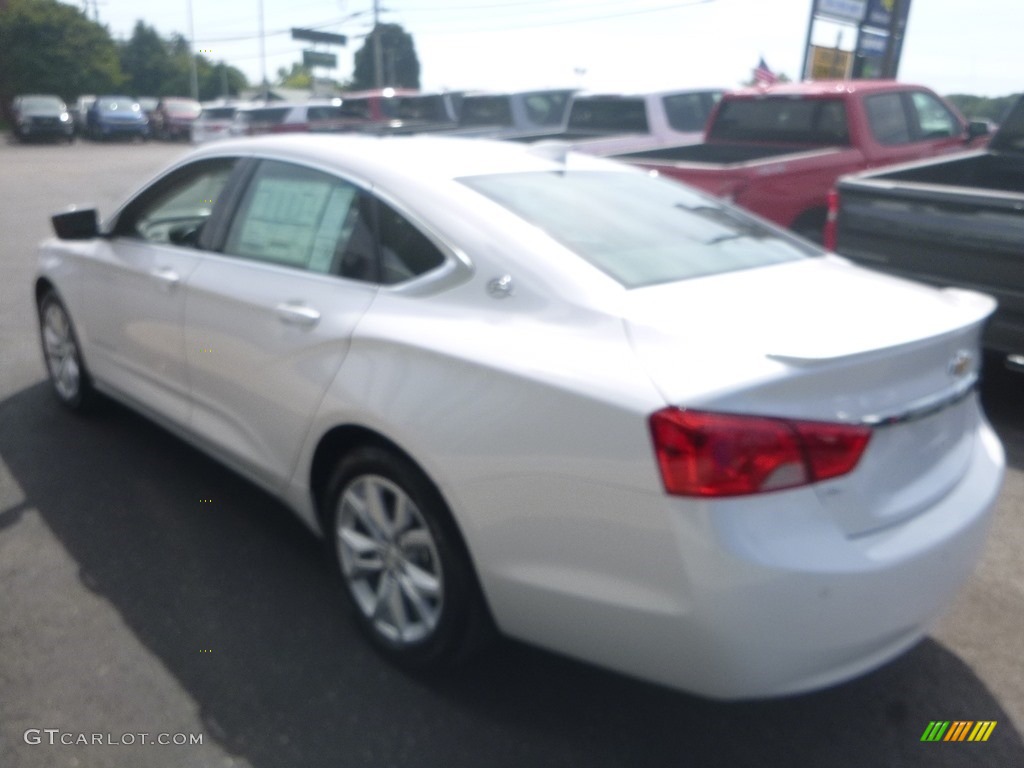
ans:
(297, 314)
(166, 275)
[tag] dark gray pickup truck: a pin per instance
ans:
(956, 220)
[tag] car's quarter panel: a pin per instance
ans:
(257, 367)
(524, 422)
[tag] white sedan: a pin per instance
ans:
(521, 388)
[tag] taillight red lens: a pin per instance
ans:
(720, 454)
(830, 235)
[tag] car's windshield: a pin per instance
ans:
(640, 229)
(118, 105)
(42, 103)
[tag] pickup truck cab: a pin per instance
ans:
(778, 150)
(951, 221)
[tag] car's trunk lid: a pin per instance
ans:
(820, 339)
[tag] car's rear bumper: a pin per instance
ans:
(694, 595)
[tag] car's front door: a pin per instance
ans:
(269, 320)
(134, 287)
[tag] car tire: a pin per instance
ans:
(62, 355)
(405, 570)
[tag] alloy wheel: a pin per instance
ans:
(389, 560)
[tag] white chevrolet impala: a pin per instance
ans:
(521, 388)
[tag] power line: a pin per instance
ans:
(576, 20)
(278, 32)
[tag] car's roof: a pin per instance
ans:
(823, 88)
(421, 158)
(584, 95)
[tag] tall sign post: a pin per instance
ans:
(881, 27)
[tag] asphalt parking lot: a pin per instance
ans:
(128, 606)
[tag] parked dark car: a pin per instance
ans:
(116, 116)
(42, 116)
(173, 117)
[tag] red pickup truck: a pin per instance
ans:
(779, 150)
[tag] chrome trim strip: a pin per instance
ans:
(924, 407)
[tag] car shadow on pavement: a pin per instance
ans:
(193, 557)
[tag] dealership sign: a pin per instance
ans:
(851, 11)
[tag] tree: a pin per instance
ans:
(146, 62)
(50, 47)
(983, 107)
(399, 64)
(217, 80)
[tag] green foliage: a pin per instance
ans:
(400, 66)
(218, 79)
(983, 107)
(50, 47)
(298, 76)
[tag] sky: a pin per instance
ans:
(609, 45)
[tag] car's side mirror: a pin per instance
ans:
(76, 224)
(976, 129)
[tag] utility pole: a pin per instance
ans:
(192, 53)
(891, 62)
(263, 56)
(378, 63)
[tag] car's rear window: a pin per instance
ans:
(183, 108)
(608, 113)
(640, 229)
(266, 115)
(486, 110)
(783, 119)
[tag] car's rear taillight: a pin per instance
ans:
(719, 454)
(831, 231)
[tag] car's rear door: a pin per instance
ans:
(269, 318)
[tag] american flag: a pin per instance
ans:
(763, 75)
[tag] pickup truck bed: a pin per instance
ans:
(720, 154)
(958, 221)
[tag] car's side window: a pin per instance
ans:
(933, 119)
(888, 118)
(295, 217)
(688, 111)
(405, 252)
(174, 210)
